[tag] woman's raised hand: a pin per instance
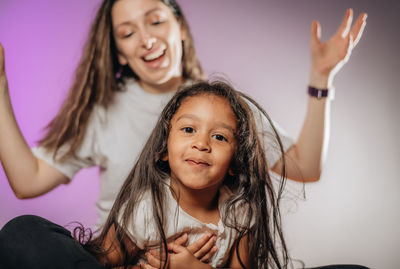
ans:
(328, 57)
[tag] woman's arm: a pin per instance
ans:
(306, 156)
(28, 176)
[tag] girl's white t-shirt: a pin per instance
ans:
(142, 228)
(115, 137)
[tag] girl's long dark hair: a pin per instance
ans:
(96, 82)
(250, 182)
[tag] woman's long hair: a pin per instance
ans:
(96, 81)
(250, 182)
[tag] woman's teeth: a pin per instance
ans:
(154, 55)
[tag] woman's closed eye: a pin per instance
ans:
(128, 35)
(125, 34)
(158, 22)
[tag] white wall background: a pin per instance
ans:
(352, 214)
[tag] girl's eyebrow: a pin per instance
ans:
(218, 123)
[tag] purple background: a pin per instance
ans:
(350, 216)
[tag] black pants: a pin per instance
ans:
(31, 242)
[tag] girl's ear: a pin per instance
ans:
(165, 157)
(230, 172)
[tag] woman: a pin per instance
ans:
(144, 57)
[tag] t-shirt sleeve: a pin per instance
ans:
(266, 132)
(87, 155)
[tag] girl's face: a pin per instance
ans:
(201, 142)
(148, 39)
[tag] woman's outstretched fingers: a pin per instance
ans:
(350, 47)
(358, 28)
(344, 28)
(315, 33)
(2, 62)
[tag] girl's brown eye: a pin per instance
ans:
(220, 137)
(188, 130)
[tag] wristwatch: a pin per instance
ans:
(321, 93)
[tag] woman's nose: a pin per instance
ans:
(147, 39)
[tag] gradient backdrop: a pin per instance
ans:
(351, 216)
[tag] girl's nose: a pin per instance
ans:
(201, 144)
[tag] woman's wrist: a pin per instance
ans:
(320, 81)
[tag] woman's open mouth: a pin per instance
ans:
(155, 54)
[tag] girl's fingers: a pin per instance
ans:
(181, 240)
(196, 246)
(147, 266)
(156, 254)
(152, 260)
(358, 27)
(344, 28)
(209, 254)
(207, 247)
(175, 248)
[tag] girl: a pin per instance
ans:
(203, 169)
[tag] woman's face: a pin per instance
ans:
(148, 39)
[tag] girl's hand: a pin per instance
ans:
(202, 249)
(178, 257)
(328, 57)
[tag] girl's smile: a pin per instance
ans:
(198, 162)
(201, 142)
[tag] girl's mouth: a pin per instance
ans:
(198, 162)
